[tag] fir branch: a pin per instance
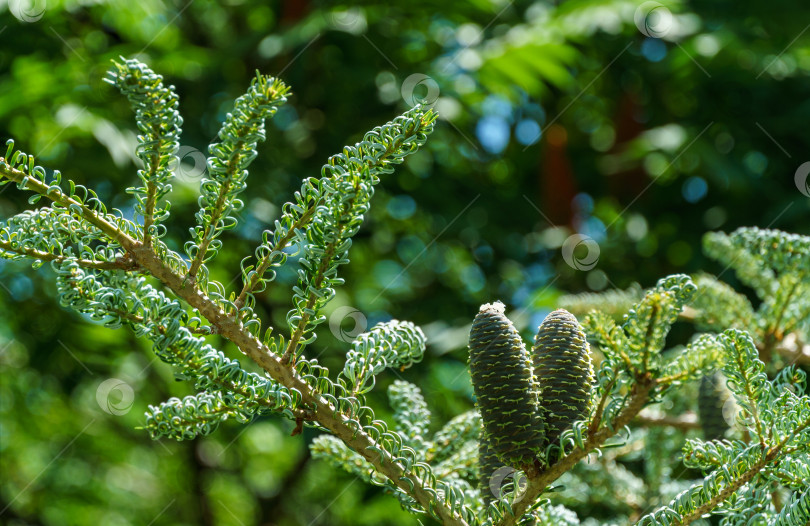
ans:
(411, 413)
(348, 181)
(797, 511)
(735, 463)
(603, 332)
(325, 413)
(460, 429)
(9, 250)
(731, 480)
(397, 344)
(774, 309)
(606, 390)
(699, 357)
(131, 319)
(156, 113)
(698, 501)
(749, 505)
(57, 234)
(21, 169)
(117, 298)
(746, 374)
(335, 452)
(442, 500)
(800, 311)
(748, 268)
(648, 323)
(719, 307)
(192, 416)
(711, 454)
(792, 472)
(296, 215)
(780, 251)
(241, 132)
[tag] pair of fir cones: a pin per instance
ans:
(526, 400)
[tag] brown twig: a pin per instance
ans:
(121, 263)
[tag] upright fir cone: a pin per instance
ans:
(504, 387)
(712, 397)
(562, 367)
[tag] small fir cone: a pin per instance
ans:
(562, 366)
(712, 398)
(504, 387)
(488, 464)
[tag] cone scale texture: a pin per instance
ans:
(504, 387)
(562, 366)
(488, 464)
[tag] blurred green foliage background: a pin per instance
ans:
(638, 126)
